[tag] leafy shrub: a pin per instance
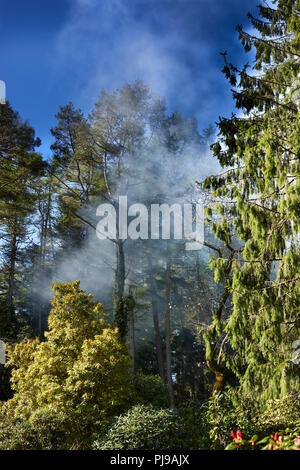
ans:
(194, 426)
(80, 373)
(151, 389)
(276, 427)
(279, 414)
(222, 413)
(233, 410)
(144, 427)
(45, 430)
(287, 439)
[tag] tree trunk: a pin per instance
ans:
(131, 338)
(168, 336)
(11, 275)
(45, 213)
(221, 376)
(220, 371)
(120, 270)
(120, 312)
(155, 315)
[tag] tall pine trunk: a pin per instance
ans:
(131, 333)
(155, 315)
(120, 312)
(45, 213)
(168, 335)
(11, 274)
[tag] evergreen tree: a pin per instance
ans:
(123, 123)
(20, 167)
(80, 373)
(259, 149)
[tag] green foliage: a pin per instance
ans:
(220, 415)
(259, 150)
(279, 414)
(80, 372)
(20, 167)
(151, 389)
(205, 425)
(46, 429)
(194, 427)
(234, 410)
(144, 428)
(287, 439)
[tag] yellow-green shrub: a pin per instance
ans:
(81, 371)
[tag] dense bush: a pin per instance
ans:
(45, 430)
(220, 415)
(232, 410)
(286, 439)
(275, 427)
(151, 389)
(80, 374)
(279, 414)
(146, 427)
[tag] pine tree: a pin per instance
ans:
(259, 150)
(80, 372)
(20, 167)
(123, 123)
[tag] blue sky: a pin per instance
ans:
(56, 51)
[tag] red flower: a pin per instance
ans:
(297, 441)
(276, 436)
(238, 437)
